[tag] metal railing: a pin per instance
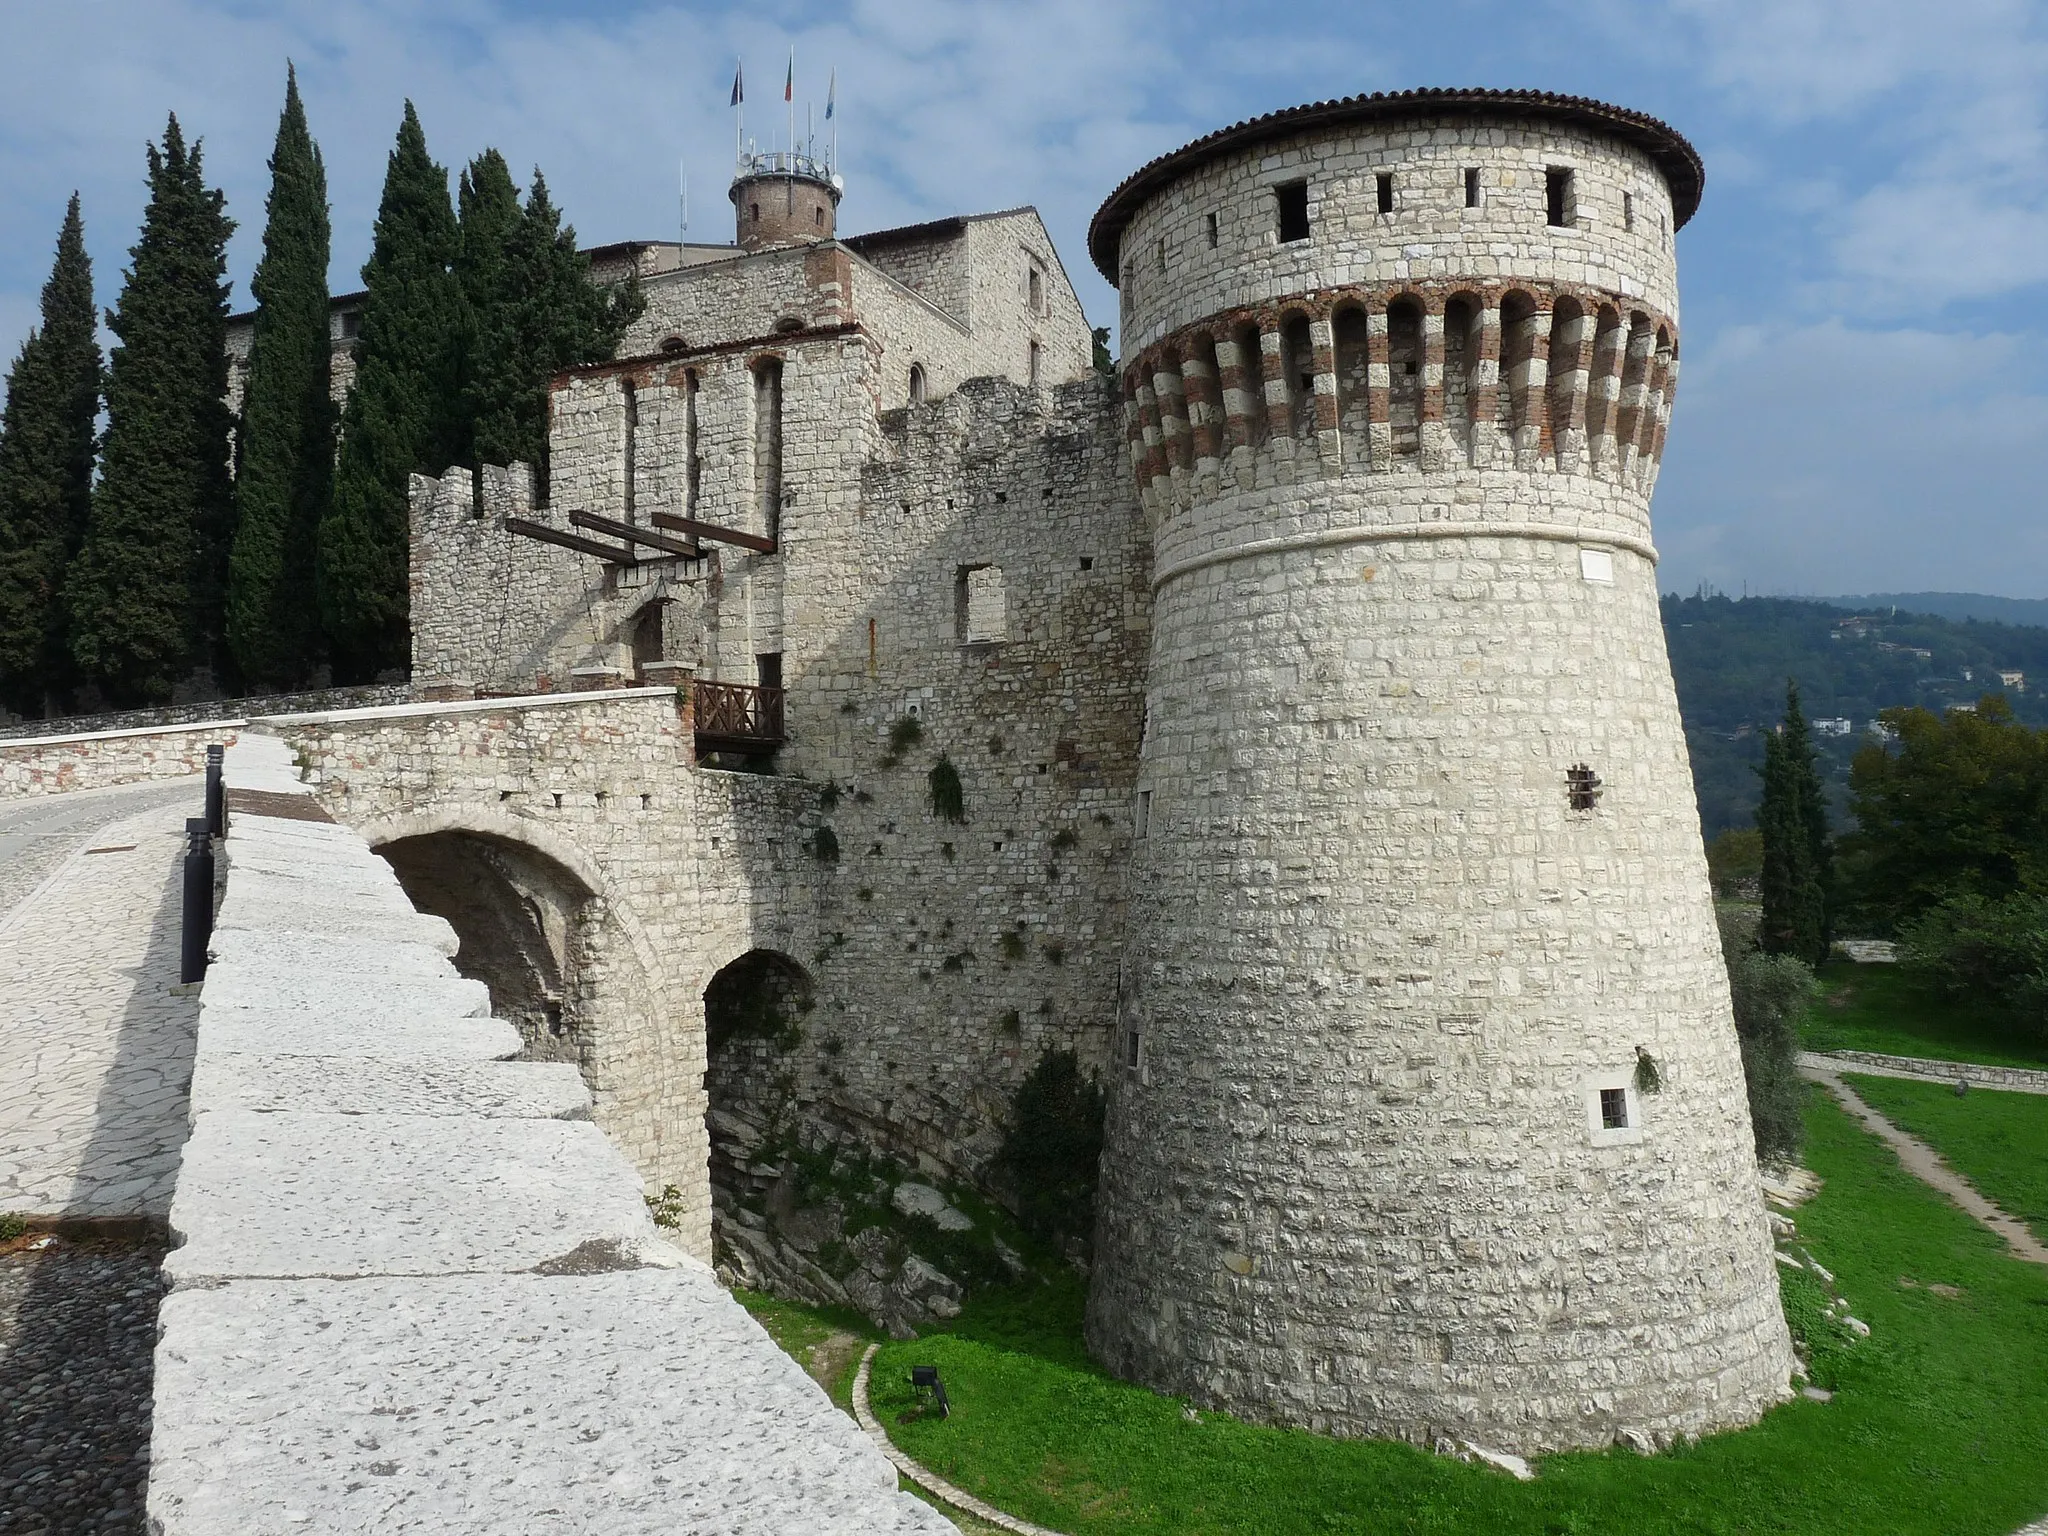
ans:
(737, 717)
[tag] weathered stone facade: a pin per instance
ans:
(1319, 772)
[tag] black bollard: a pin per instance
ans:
(198, 915)
(216, 792)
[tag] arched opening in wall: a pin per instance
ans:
(518, 914)
(1517, 350)
(1567, 381)
(1297, 367)
(755, 1014)
(647, 638)
(1252, 362)
(1202, 354)
(768, 445)
(1350, 331)
(1034, 295)
(917, 384)
(1610, 341)
(1461, 353)
(1404, 378)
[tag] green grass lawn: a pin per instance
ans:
(1939, 1424)
(1878, 1008)
(1998, 1141)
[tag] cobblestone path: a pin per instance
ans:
(95, 1040)
(95, 1059)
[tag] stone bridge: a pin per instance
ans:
(598, 880)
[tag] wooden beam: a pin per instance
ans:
(547, 535)
(633, 535)
(697, 530)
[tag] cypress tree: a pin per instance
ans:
(404, 415)
(46, 459)
(147, 592)
(494, 362)
(1794, 920)
(286, 473)
(534, 312)
(1813, 818)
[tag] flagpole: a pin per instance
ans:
(739, 112)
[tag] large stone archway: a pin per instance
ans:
(573, 970)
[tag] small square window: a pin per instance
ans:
(1471, 186)
(1385, 180)
(1613, 1109)
(1582, 787)
(1290, 200)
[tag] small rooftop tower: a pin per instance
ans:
(784, 197)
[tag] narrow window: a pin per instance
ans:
(1663, 233)
(1628, 210)
(980, 605)
(1471, 186)
(818, 217)
(1162, 254)
(754, 212)
(693, 460)
(1036, 362)
(917, 384)
(768, 445)
(1386, 191)
(632, 397)
(1404, 382)
(1131, 1049)
(1557, 192)
(1036, 291)
(1144, 828)
(1211, 220)
(1582, 787)
(1613, 1109)
(1290, 199)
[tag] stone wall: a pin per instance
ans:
(356, 696)
(57, 764)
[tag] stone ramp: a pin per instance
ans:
(418, 1290)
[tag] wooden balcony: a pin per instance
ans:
(734, 717)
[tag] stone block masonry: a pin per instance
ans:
(418, 1291)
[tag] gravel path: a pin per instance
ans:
(77, 1332)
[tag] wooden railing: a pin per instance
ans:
(733, 717)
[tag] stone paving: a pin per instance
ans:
(95, 1035)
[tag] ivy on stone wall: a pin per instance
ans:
(948, 799)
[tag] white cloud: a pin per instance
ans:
(1829, 459)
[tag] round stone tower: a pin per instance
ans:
(1426, 1116)
(779, 198)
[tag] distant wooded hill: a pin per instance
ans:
(1731, 658)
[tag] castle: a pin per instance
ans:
(1281, 723)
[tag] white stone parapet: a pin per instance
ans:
(418, 1290)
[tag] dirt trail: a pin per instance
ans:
(1925, 1164)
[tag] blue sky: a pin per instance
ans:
(1864, 402)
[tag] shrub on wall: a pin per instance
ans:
(949, 800)
(1048, 1158)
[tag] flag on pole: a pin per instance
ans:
(789, 80)
(739, 89)
(831, 95)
